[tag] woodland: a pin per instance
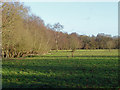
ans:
(25, 34)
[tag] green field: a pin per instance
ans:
(87, 69)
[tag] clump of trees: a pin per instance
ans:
(24, 34)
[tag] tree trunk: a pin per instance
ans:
(56, 45)
(72, 54)
(7, 54)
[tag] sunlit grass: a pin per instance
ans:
(113, 52)
(61, 71)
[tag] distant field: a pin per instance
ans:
(87, 69)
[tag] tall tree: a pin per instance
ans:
(57, 27)
(74, 42)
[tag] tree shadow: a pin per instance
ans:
(59, 76)
(80, 56)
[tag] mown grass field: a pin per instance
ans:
(87, 69)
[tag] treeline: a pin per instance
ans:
(24, 33)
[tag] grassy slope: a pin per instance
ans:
(89, 68)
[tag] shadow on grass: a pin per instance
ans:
(42, 81)
(60, 57)
(73, 56)
(59, 76)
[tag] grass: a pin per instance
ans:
(87, 69)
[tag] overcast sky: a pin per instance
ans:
(88, 18)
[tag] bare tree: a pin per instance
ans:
(74, 42)
(110, 45)
(57, 27)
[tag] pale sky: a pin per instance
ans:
(88, 18)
